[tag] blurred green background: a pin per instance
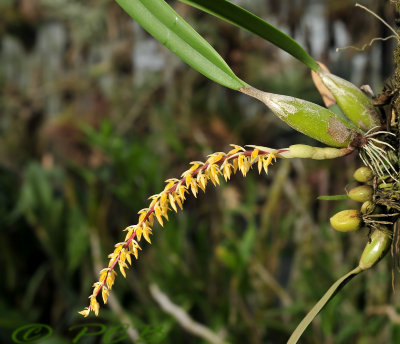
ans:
(95, 115)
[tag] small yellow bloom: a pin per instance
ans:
(96, 289)
(260, 164)
(105, 293)
(142, 214)
(213, 171)
(146, 232)
(129, 234)
(171, 183)
(150, 220)
(110, 279)
(122, 265)
(154, 199)
(134, 247)
(172, 202)
(235, 165)
(178, 200)
(85, 312)
(188, 179)
(164, 211)
(122, 257)
(103, 274)
(193, 187)
(138, 232)
(181, 191)
(202, 181)
(254, 155)
(128, 257)
(235, 150)
(94, 305)
(157, 210)
(216, 157)
(268, 161)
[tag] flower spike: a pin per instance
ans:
(197, 176)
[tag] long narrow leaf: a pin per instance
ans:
(244, 19)
(333, 197)
(340, 283)
(164, 24)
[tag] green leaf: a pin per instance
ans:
(246, 20)
(333, 198)
(339, 284)
(164, 24)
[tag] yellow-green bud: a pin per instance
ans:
(375, 249)
(363, 174)
(316, 153)
(356, 105)
(346, 220)
(367, 207)
(308, 118)
(361, 193)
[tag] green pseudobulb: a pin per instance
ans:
(308, 118)
(375, 249)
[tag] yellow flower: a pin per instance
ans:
(85, 312)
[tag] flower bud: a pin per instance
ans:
(346, 220)
(375, 249)
(361, 193)
(363, 174)
(308, 118)
(355, 104)
(367, 207)
(317, 153)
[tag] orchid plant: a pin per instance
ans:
(349, 122)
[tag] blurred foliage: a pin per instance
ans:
(95, 115)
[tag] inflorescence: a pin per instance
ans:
(173, 195)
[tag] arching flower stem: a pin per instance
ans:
(174, 194)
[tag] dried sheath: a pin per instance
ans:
(356, 105)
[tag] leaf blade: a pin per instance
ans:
(333, 197)
(335, 287)
(246, 20)
(164, 24)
